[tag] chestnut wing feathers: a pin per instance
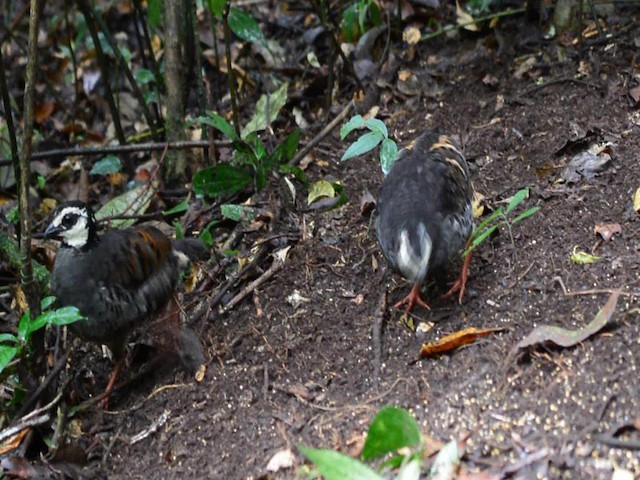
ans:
(122, 280)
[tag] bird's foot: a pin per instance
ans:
(411, 299)
(460, 284)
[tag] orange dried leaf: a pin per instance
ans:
(43, 111)
(13, 441)
(455, 340)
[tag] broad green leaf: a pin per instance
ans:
(9, 337)
(154, 12)
(320, 189)
(133, 202)
(179, 208)
(517, 199)
(525, 214)
(144, 76)
(377, 125)
(219, 123)
(356, 122)
(61, 316)
(288, 148)
(349, 23)
(106, 165)
(245, 27)
(388, 155)
(7, 353)
(237, 213)
(338, 466)
(362, 15)
(46, 302)
(23, 326)
(391, 429)
(217, 7)
(219, 180)
(364, 144)
(266, 110)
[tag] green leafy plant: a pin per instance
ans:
(106, 165)
(378, 134)
(241, 23)
(501, 217)
(359, 17)
(392, 429)
(12, 345)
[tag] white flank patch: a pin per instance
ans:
(414, 267)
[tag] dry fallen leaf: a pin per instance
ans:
(43, 110)
(455, 340)
(636, 200)
(465, 20)
(607, 230)
(281, 460)
(13, 441)
(569, 338)
(411, 35)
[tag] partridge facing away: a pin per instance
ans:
(118, 280)
(424, 215)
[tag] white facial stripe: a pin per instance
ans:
(78, 211)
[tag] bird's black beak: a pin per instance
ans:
(52, 232)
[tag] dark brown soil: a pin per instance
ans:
(281, 373)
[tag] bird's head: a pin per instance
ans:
(73, 224)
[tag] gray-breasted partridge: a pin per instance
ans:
(118, 280)
(424, 215)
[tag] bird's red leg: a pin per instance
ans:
(104, 403)
(411, 299)
(461, 282)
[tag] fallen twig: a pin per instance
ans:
(32, 419)
(595, 291)
(378, 322)
(115, 149)
(323, 133)
(154, 427)
(275, 266)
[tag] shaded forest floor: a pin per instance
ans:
(298, 362)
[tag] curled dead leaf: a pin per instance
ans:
(569, 338)
(607, 230)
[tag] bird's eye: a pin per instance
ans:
(69, 219)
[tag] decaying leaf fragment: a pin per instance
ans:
(455, 340)
(636, 200)
(580, 257)
(607, 230)
(570, 338)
